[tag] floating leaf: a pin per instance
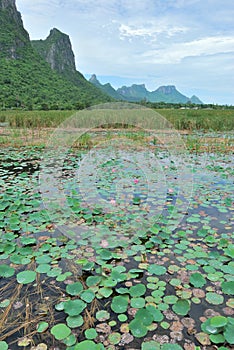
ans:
(74, 288)
(114, 338)
(6, 271)
(158, 270)
(214, 298)
(87, 296)
(197, 280)
(60, 331)
(42, 327)
(171, 347)
(3, 345)
(218, 321)
(229, 333)
(74, 321)
(91, 333)
(228, 287)
(144, 316)
(26, 277)
(157, 314)
(150, 345)
(137, 303)
(74, 307)
(217, 338)
(102, 315)
(86, 345)
(119, 304)
(137, 290)
(137, 328)
(181, 307)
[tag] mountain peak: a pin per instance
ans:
(167, 89)
(56, 49)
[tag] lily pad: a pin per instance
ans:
(137, 328)
(197, 280)
(86, 345)
(137, 290)
(158, 270)
(60, 331)
(74, 307)
(74, 288)
(119, 304)
(181, 307)
(214, 298)
(3, 345)
(26, 277)
(6, 271)
(42, 327)
(91, 333)
(228, 287)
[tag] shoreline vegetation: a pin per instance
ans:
(202, 130)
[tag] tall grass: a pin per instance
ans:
(216, 120)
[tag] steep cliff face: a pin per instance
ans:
(14, 39)
(56, 49)
(27, 80)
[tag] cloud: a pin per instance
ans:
(150, 30)
(177, 52)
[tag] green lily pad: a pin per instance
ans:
(6, 271)
(26, 277)
(144, 316)
(214, 298)
(218, 321)
(91, 333)
(156, 313)
(171, 347)
(197, 280)
(3, 345)
(74, 288)
(228, 287)
(74, 307)
(87, 296)
(137, 328)
(229, 333)
(74, 321)
(102, 315)
(137, 290)
(60, 331)
(114, 338)
(217, 338)
(158, 270)
(42, 327)
(137, 303)
(150, 345)
(86, 345)
(119, 304)
(181, 307)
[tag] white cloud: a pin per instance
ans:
(151, 30)
(177, 52)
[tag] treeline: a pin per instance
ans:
(188, 105)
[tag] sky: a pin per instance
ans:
(186, 43)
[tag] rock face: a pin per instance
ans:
(26, 77)
(14, 39)
(56, 49)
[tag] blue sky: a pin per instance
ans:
(187, 43)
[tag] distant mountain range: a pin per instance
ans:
(137, 93)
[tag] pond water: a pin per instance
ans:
(125, 249)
